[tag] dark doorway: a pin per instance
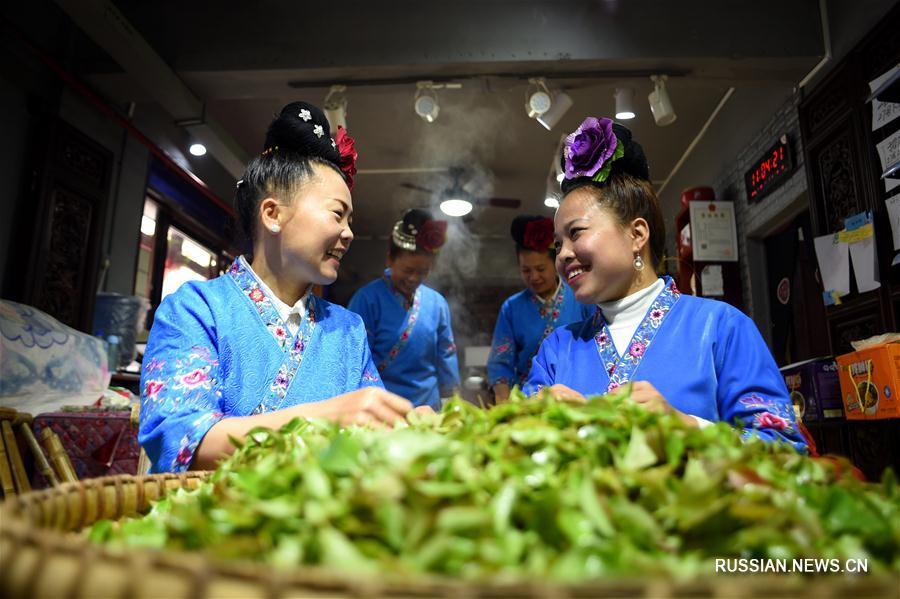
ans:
(796, 309)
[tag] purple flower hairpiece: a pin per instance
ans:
(591, 149)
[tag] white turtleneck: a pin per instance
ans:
(624, 316)
(291, 315)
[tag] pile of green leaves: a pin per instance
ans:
(532, 488)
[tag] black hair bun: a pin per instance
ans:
(414, 218)
(302, 129)
(633, 162)
(518, 226)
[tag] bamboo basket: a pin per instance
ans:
(43, 554)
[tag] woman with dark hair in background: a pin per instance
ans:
(700, 359)
(408, 323)
(527, 317)
(254, 347)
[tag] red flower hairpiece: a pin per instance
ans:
(348, 154)
(539, 235)
(432, 235)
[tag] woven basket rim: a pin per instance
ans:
(16, 513)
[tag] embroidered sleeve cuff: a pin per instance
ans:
(191, 440)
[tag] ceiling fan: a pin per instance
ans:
(456, 191)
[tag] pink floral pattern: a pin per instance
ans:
(152, 389)
(549, 312)
(191, 440)
(198, 377)
(370, 377)
(620, 369)
(770, 420)
(190, 379)
(771, 414)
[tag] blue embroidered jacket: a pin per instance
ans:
(219, 348)
(705, 357)
(412, 343)
(522, 324)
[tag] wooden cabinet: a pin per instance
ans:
(843, 173)
(59, 228)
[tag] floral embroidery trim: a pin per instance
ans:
(293, 346)
(549, 312)
(620, 369)
(191, 441)
(772, 415)
(411, 318)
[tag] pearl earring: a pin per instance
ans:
(276, 228)
(638, 263)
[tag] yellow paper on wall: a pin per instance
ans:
(864, 232)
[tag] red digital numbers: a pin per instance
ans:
(767, 170)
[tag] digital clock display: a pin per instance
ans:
(769, 171)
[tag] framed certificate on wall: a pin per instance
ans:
(713, 232)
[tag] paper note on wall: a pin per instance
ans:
(893, 209)
(883, 112)
(889, 153)
(865, 264)
(712, 283)
(834, 263)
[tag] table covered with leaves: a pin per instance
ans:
(530, 489)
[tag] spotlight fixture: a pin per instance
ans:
(456, 207)
(426, 101)
(560, 104)
(624, 103)
(335, 107)
(197, 149)
(660, 104)
(551, 202)
(538, 98)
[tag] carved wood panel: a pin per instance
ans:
(826, 109)
(65, 263)
(863, 320)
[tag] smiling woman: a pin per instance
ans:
(408, 323)
(529, 316)
(254, 347)
(699, 359)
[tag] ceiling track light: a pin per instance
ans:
(624, 103)
(537, 97)
(660, 104)
(560, 104)
(335, 107)
(426, 101)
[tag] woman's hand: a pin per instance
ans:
(645, 395)
(501, 393)
(371, 406)
(566, 394)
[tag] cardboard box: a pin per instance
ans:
(815, 389)
(870, 382)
